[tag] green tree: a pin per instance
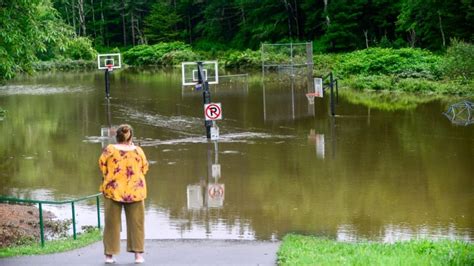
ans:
(161, 24)
(265, 21)
(432, 23)
(342, 31)
(28, 27)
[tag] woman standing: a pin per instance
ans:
(124, 166)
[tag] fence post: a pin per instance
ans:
(41, 223)
(331, 85)
(73, 220)
(98, 212)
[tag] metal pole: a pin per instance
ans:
(73, 220)
(41, 224)
(331, 85)
(206, 96)
(98, 211)
(107, 83)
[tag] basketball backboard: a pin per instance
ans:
(190, 72)
(109, 61)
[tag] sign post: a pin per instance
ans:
(213, 112)
(206, 96)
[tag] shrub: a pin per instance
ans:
(80, 48)
(176, 57)
(324, 63)
(404, 63)
(242, 59)
(154, 54)
(417, 85)
(370, 83)
(459, 61)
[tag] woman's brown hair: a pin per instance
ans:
(124, 133)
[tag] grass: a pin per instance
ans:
(53, 246)
(307, 250)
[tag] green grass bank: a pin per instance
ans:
(308, 250)
(53, 246)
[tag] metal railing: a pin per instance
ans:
(40, 207)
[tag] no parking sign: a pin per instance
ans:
(212, 111)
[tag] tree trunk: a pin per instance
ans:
(133, 27)
(412, 38)
(102, 24)
(190, 29)
(93, 19)
(74, 16)
(290, 31)
(297, 24)
(441, 29)
(366, 35)
(328, 20)
(82, 18)
(68, 19)
(124, 29)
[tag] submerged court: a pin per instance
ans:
(281, 164)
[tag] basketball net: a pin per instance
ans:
(310, 97)
(110, 67)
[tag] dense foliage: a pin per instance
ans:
(27, 28)
(32, 30)
(386, 61)
(161, 54)
(459, 61)
(334, 25)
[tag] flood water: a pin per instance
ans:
(281, 165)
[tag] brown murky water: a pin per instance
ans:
(384, 169)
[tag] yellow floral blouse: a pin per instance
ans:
(123, 174)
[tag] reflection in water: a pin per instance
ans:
(284, 98)
(318, 141)
(107, 132)
(208, 193)
(386, 101)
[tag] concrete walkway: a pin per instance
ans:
(166, 252)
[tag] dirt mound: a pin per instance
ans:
(19, 224)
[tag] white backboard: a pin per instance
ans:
(106, 60)
(189, 71)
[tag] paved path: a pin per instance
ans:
(166, 252)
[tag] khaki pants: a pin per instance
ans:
(135, 216)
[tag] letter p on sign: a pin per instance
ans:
(213, 111)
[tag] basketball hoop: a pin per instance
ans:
(310, 97)
(110, 67)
